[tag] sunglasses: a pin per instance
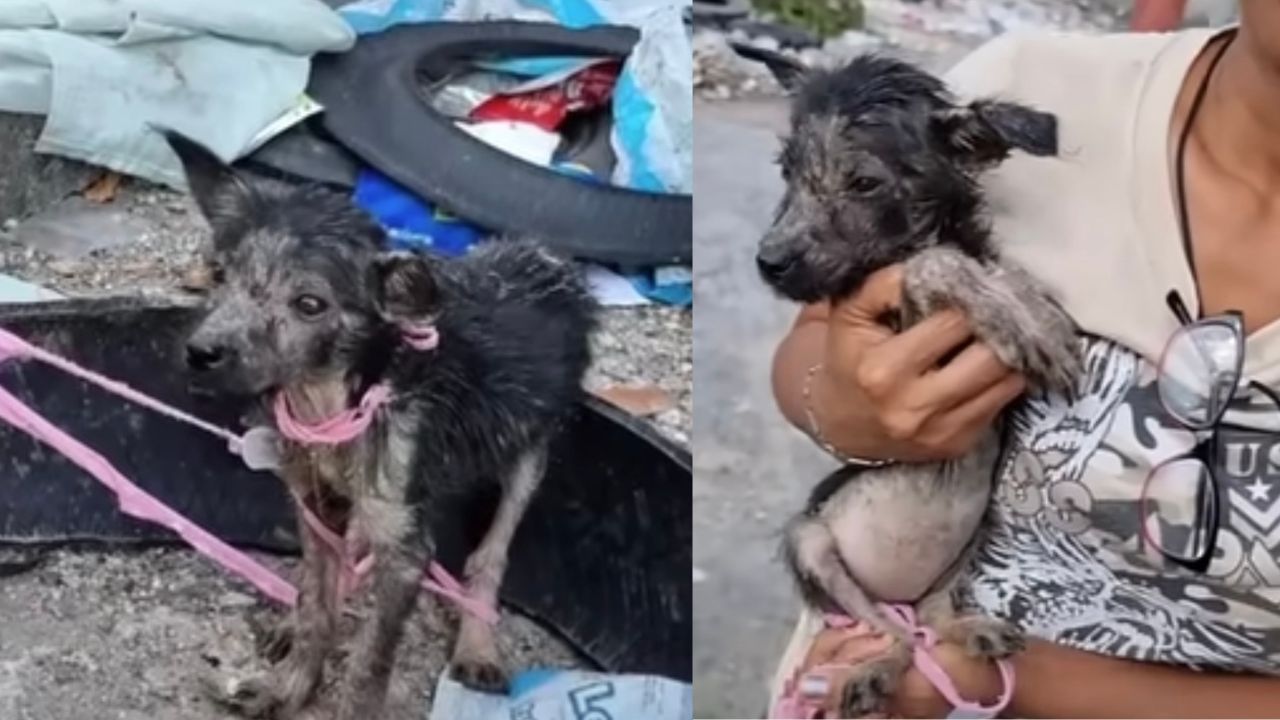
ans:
(1198, 375)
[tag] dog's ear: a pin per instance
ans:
(404, 286)
(986, 131)
(224, 197)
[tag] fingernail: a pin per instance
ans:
(814, 686)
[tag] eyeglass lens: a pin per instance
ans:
(1178, 505)
(1199, 373)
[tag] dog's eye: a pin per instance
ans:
(309, 305)
(865, 184)
(217, 273)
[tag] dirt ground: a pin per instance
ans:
(133, 635)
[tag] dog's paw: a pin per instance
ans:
(869, 687)
(275, 643)
(251, 697)
(1053, 362)
(272, 635)
(984, 637)
(482, 675)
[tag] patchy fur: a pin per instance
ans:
(882, 168)
(309, 303)
(879, 165)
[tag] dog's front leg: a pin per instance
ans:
(1008, 309)
(299, 644)
(403, 548)
(314, 620)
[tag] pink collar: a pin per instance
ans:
(336, 430)
(352, 422)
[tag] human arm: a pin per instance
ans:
(878, 395)
(1053, 681)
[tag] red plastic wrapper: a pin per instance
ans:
(547, 107)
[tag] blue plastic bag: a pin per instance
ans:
(411, 222)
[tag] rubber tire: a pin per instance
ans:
(720, 12)
(374, 108)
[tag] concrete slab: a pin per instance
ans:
(751, 470)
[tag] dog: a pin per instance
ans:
(881, 167)
(311, 309)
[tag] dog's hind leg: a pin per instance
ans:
(980, 635)
(476, 661)
(824, 580)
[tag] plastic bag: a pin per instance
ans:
(564, 694)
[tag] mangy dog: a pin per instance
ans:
(309, 305)
(880, 168)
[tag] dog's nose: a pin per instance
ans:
(772, 265)
(202, 357)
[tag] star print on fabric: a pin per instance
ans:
(1258, 490)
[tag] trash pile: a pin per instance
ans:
(601, 131)
(733, 50)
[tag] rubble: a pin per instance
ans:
(935, 33)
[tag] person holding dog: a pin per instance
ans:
(1139, 541)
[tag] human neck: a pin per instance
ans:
(1239, 122)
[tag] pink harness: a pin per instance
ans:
(801, 700)
(137, 503)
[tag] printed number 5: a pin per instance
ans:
(586, 701)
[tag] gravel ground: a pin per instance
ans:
(133, 635)
(90, 635)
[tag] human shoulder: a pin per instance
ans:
(1060, 67)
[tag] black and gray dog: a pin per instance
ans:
(310, 304)
(881, 167)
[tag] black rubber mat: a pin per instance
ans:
(603, 556)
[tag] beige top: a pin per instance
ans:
(1069, 561)
(1099, 223)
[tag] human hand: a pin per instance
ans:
(884, 395)
(915, 697)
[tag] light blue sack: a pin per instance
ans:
(568, 695)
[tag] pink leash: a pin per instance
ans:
(136, 502)
(802, 697)
(439, 581)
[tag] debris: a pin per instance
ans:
(719, 72)
(542, 693)
(103, 189)
(18, 560)
(198, 279)
(76, 227)
(639, 400)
